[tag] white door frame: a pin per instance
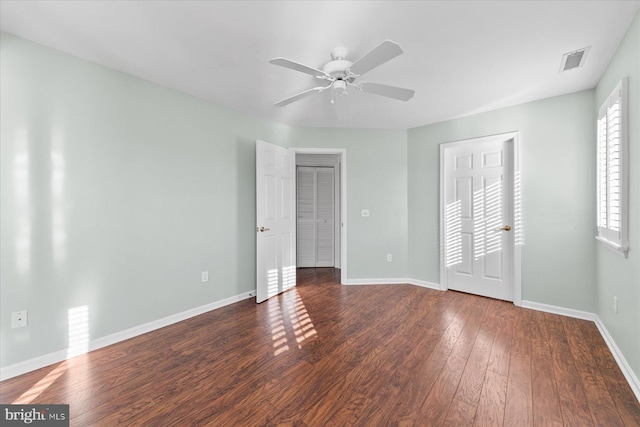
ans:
(321, 161)
(515, 176)
(343, 200)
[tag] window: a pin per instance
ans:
(612, 171)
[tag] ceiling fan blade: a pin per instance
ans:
(399, 93)
(379, 55)
(300, 95)
(292, 65)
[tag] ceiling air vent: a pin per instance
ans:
(574, 59)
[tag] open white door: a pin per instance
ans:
(478, 216)
(275, 216)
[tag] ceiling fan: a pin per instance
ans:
(341, 73)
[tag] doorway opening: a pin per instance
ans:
(321, 237)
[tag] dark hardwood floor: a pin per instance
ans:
(324, 354)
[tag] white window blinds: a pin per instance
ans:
(612, 174)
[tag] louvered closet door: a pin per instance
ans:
(316, 210)
(324, 217)
(306, 234)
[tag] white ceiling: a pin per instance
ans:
(461, 57)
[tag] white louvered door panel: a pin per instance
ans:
(325, 217)
(315, 218)
(306, 217)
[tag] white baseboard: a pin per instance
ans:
(632, 379)
(401, 281)
(61, 355)
(569, 312)
(376, 281)
(32, 364)
(393, 281)
(425, 284)
(628, 373)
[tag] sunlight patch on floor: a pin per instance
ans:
(37, 389)
(291, 324)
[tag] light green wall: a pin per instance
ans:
(557, 158)
(116, 194)
(618, 276)
(376, 180)
(133, 189)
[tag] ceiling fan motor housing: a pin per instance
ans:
(337, 69)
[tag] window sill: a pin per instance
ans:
(622, 251)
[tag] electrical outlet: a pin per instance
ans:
(389, 257)
(365, 212)
(19, 319)
(205, 276)
(615, 304)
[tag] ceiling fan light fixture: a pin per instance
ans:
(340, 87)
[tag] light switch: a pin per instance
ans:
(365, 212)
